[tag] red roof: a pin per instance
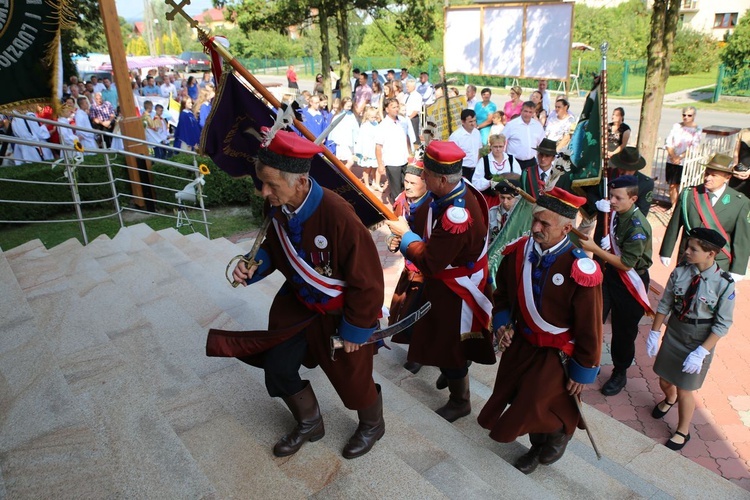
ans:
(138, 27)
(216, 15)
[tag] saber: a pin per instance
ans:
(324, 135)
(249, 262)
(338, 343)
(564, 360)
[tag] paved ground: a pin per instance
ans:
(720, 433)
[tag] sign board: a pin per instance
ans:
(519, 40)
(435, 114)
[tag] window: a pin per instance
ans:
(725, 21)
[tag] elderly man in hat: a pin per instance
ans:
(326, 255)
(451, 252)
(412, 204)
(549, 292)
(626, 254)
(715, 205)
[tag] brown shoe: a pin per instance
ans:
(554, 448)
(304, 407)
(370, 429)
(458, 404)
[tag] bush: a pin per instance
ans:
(694, 52)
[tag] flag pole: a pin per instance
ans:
(212, 44)
(604, 116)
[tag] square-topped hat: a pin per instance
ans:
(710, 236)
(443, 157)
(547, 147)
(628, 159)
(561, 202)
(416, 168)
(288, 152)
(720, 163)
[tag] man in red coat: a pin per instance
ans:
(332, 287)
(451, 253)
(547, 313)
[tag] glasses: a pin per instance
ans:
(686, 116)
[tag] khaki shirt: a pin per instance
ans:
(714, 299)
(633, 237)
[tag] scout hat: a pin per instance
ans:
(561, 202)
(504, 188)
(288, 152)
(623, 181)
(628, 159)
(720, 163)
(443, 157)
(416, 168)
(547, 147)
(710, 236)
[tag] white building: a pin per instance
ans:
(715, 17)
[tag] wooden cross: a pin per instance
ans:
(178, 10)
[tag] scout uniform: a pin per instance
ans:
(553, 300)
(451, 253)
(699, 303)
(332, 287)
(729, 215)
(626, 293)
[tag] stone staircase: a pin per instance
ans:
(105, 391)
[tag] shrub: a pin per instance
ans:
(694, 52)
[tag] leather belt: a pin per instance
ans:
(695, 321)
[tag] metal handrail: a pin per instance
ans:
(70, 159)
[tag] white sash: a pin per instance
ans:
(536, 318)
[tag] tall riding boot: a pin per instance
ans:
(458, 404)
(304, 407)
(528, 462)
(553, 449)
(370, 429)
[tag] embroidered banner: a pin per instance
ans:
(29, 53)
(231, 138)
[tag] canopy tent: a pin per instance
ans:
(139, 62)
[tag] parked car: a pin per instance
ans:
(196, 61)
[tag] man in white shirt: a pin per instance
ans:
(413, 105)
(167, 88)
(98, 86)
(85, 131)
(425, 89)
(542, 88)
(471, 96)
(392, 148)
(468, 138)
(523, 135)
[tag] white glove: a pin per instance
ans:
(737, 277)
(694, 362)
(603, 206)
(665, 261)
(652, 344)
(606, 243)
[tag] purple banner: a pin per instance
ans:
(231, 138)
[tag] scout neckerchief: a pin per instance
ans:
(631, 279)
(703, 206)
(469, 281)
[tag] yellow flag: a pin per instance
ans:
(174, 106)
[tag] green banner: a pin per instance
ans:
(585, 145)
(29, 39)
(519, 223)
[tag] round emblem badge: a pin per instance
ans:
(457, 215)
(321, 241)
(558, 279)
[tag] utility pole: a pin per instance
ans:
(131, 125)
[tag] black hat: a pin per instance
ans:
(623, 181)
(504, 188)
(710, 236)
(628, 159)
(547, 146)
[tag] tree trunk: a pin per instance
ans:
(345, 67)
(325, 53)
(664, 20)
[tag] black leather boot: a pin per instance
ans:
(554, 448)
(370, 429)
(413, 366)
(528, 462)
(458, 404)
(615, 383)
(304, 407)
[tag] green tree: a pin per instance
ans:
(736, 54)
(176, 45)
(694, 52)
(137, 47)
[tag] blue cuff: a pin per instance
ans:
(580, 374)
(354, 334)
(501, 318)
(263, 269)
(407, 240)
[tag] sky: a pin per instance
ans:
(132, 10)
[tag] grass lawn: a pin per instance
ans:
(675, 83)
(225, 221)
(729, 106)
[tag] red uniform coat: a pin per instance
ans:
(436, 338)
(531, 379)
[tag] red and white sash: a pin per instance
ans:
(329, 286)
(632, 280)
(468, 284)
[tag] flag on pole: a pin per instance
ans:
(232, 136)
(585, 144)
